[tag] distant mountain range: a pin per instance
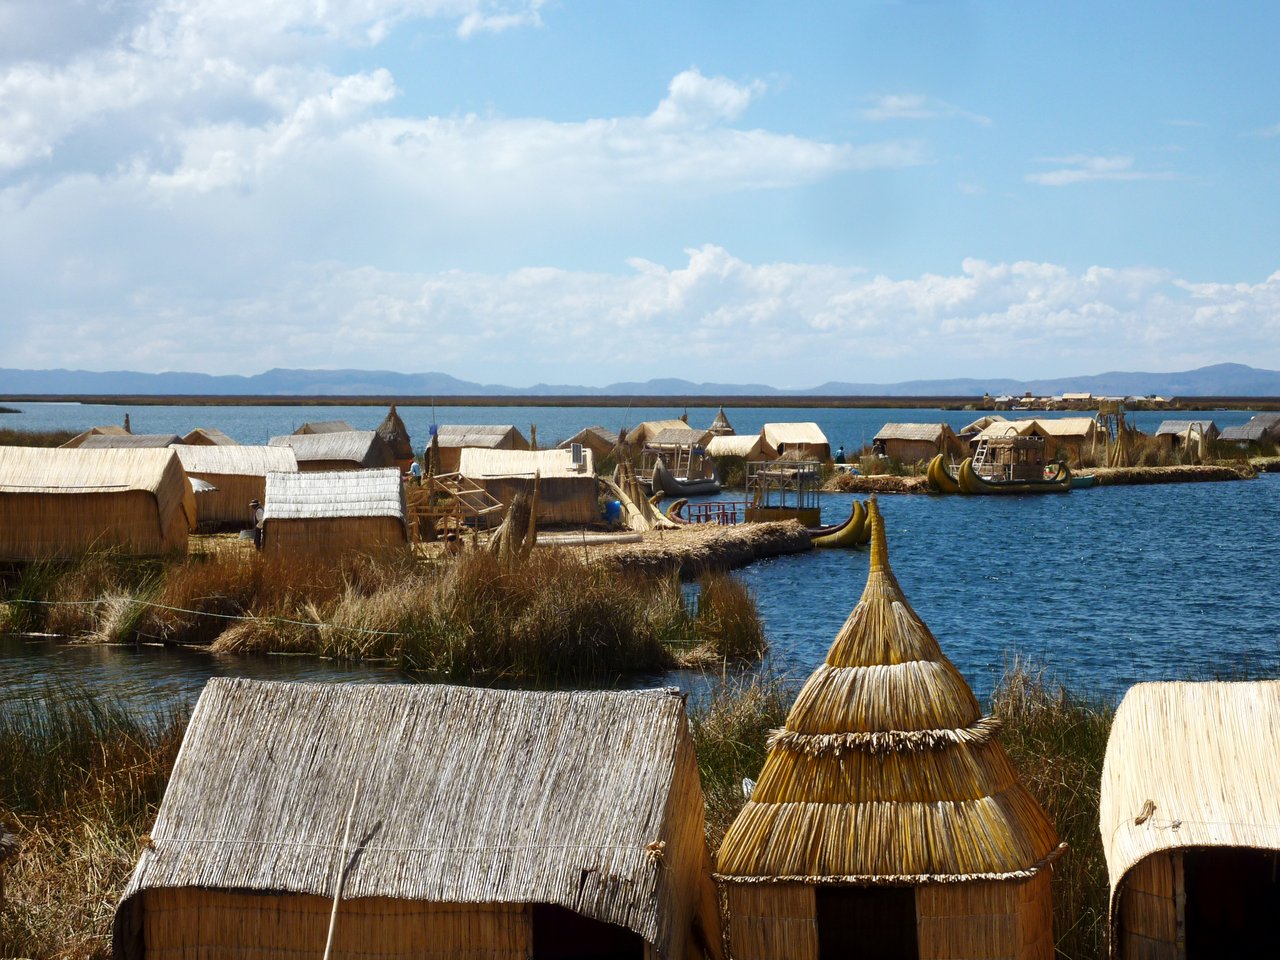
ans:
(1219, 380)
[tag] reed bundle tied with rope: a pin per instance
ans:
(886, 769)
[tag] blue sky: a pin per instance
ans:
(519, 191)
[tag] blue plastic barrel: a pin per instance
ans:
(613, 511)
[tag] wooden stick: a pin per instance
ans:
(342, 874)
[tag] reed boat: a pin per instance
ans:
(848, 533)
(940, 478)
(663, 481)
(972, 482)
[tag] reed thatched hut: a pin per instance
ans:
(208, 437)
(453, 439)
(238, 472)
(1261, 428)
(79, 438)
(646, 430)
(396, 436)
(1177, 434)
(59, 504)
(1070, 438)
(720, 426)
(1190, 821)
(315, 515)
(482, 823)
(312, 427)
(803, 440)
(598, 440)
(129, 441)
(753, 448)
(888, 821)
(911, 442)
(342, 450)
(567, 491)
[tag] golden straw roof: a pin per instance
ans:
(807, 433)
(480, 464)
(248, 460)
(467, 795)
(886, 770)
(1205, 757)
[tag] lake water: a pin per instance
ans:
(1104, 587)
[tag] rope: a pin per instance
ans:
(208, 613)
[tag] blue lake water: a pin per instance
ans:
(1104, 587)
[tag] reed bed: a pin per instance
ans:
(10, 437)
(80, 783)
(553, 619)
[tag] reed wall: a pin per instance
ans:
(188, 923)
(331, 537)
(319, 466)
(60, 526)
(773, 921)
(229, 504)
(992, 920)
(1146, 919)
(560, 499)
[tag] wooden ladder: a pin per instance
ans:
(980, 455)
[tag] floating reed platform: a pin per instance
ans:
(876, 483)
(693, 551)
(1121, 476)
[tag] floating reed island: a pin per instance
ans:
(888, 818)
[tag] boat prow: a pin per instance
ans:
(971, 483)
(940, 478)
(673, 486)
(850, 533)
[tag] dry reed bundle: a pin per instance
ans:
(886, 772)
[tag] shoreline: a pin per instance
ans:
(792, 401)
(1105, 477)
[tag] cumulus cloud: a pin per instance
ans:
(729, 316)
(695, 100)
(1091, 169)
(913, 106)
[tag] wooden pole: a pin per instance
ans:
(340, 880)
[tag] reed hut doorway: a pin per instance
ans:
(870, 923)
(561, 934)
(1232, 901)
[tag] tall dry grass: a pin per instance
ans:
(12, 437)
(553, 619)
(80, 783)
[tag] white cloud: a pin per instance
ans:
(1091, 169)
(734, 320)
(698, 101)
(914, 106)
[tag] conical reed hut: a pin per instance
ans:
(888, 821)
(396, 436)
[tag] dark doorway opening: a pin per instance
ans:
(1233, 903)
(561, 934)
(869, 923)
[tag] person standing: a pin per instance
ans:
(256, 515)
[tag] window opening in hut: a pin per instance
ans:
(870, 923)
(561, 934)
(1233, 899)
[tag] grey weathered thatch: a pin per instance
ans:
(467, 797)
(682, 436)
(129, 441)
(721, 426)
(343, 450)
(1177, 427)
(330, 514)
(598, 440)
(57, 503)
(80, 438)
(453, 438)
(396, 436)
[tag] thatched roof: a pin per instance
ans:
(599, 439)
(681, 436)
(80, 438)
(981, 423)
(753, 447)
(806, 434)
(929, 432)
(886, 772)
(334, 494)
(362, 447)
(1176, 427)
(646, 429)
(323, 426)
(721, 426)
(1012, 428)
(129, 441)
(1068, 427)
(1248, 433)
(394, 433)
(466, 795)
(71, 472)
(1190, 765)
(209, 436)
(480, 464)
(245, 461)
(492, 436)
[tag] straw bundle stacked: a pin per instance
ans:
(396, 436)
(886, 773)
(328, 514)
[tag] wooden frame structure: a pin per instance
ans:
(784, 490)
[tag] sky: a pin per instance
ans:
(564, 191)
